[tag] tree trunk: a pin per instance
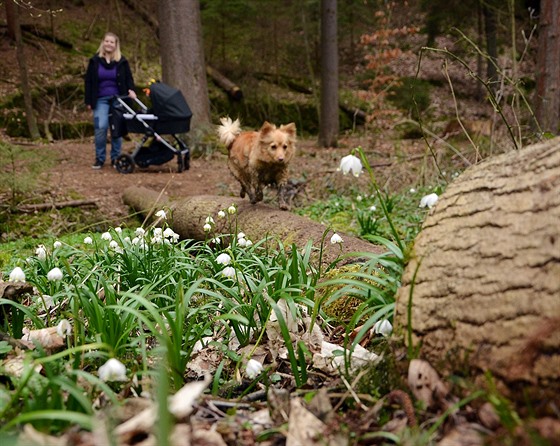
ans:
(12, 14)
(256, 221)
(548, 68)
(329, 122)
(485, 272)
(182, 55)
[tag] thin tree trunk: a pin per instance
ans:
(12, 14)
(548, 68)
(329, 120)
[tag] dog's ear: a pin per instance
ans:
(290, 129)
(267, 127)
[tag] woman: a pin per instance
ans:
(108, 74)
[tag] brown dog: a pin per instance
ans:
(259, 159)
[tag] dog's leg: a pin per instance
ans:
(282, 202)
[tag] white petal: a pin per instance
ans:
(336, 238)
(113, 370)
(17, 275)
(253, 369)
(54, 274)
(223, 259)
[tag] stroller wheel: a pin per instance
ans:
(124, 164)
(187, 161)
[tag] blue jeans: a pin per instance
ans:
(100, 126)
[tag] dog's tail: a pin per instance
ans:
(228, 131)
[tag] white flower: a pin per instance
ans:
(210, 220)
(41, 252)
(113, 370)
(223, 259)
(412, 190)
(429, 200)
(135, 240)
(221, 214)
(241, 241)
(351, 163)
(64, 328)
(17, 275)
(215, 240)
(113, 244)
(106, 236)
(383, 327)
(54, 274)
(248, 243)
(139, 232)
(118, 230)
(228, 271)
(207, 227)
(57, 244)
(88, 240)
(253, 369)
(231, 209)
(48, 301)
(372, 208)
(126, 239)
(157, 240)
(161, 214)
(158, 232)
(336, 239)
(358, 198)
(171, 234)
(241, 235)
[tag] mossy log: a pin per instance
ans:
(485, 274)
(256, 221)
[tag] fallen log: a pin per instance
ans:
(256, 221)
(224, 83)
(483, 282)
(59, 205)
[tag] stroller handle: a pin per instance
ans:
(121, 99)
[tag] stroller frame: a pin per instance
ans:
(125, 163)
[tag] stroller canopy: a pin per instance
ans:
(168, 103)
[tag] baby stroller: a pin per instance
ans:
(169, 115)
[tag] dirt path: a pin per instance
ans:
(73, 177)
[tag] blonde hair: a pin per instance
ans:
(116, 56)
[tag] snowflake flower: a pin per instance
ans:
(383, 327)
(17, 275)
(48, 301)
(241, 242)
(57, 244)
(113, 370)
(64, 328)
(161, 214)
(429, 201)
(221, 214)
(248, 243)
(207, 227)
(336, 239)
(41, 252)
(209, 220)
(253, 369)
(223, 259)
(106, 236)
(229, 272)
(412, 190)
(139, 232)
(88, 241)
(351, 163)
(54, 274)
(118, 230)
(232, 210)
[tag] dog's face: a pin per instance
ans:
(277, 145)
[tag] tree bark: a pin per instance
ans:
(256, 221)
(12, 14)
(329, 120)
(485, 272)
(182, 55)
(548, 68)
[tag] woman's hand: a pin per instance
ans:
(132, 94)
